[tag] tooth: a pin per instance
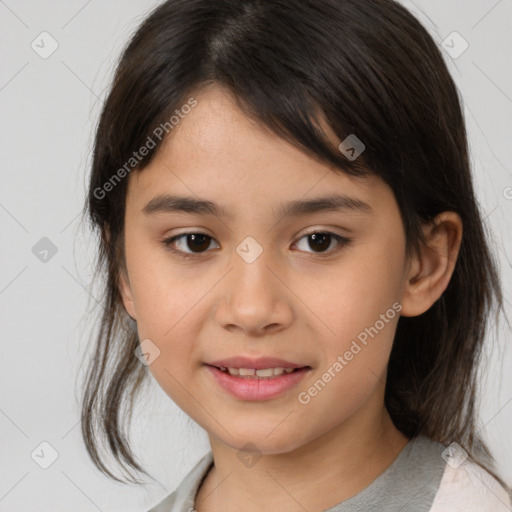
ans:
(265, 372)
(262, 372)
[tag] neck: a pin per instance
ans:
(340, 463)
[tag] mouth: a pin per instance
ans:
(257, 379)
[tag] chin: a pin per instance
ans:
(261, 442)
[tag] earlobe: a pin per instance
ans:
(431, 269)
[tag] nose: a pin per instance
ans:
(255, 298)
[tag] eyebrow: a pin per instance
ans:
(165, 203)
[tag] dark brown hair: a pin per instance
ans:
(366, 67)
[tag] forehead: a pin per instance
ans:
(217, 151)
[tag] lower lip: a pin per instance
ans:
(250, 388)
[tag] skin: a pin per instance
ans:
(291, 302)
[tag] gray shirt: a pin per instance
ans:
(409, 484)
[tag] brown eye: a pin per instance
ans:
(196, 243)
(320, 241)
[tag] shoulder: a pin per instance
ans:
(470, 488)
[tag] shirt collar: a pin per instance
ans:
(187, 490)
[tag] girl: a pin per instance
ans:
(294, 251)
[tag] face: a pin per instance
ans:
(253, 281)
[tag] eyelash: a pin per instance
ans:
(168, 243)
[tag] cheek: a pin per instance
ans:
(353, 294)
(165, 293)
(359, 302)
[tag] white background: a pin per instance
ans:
(49, 108)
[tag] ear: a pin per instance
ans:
(124, 282)
(126, 293)
(430, 271)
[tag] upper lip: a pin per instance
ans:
(257, 363)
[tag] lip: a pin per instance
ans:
(258, 363)
(254, 389)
